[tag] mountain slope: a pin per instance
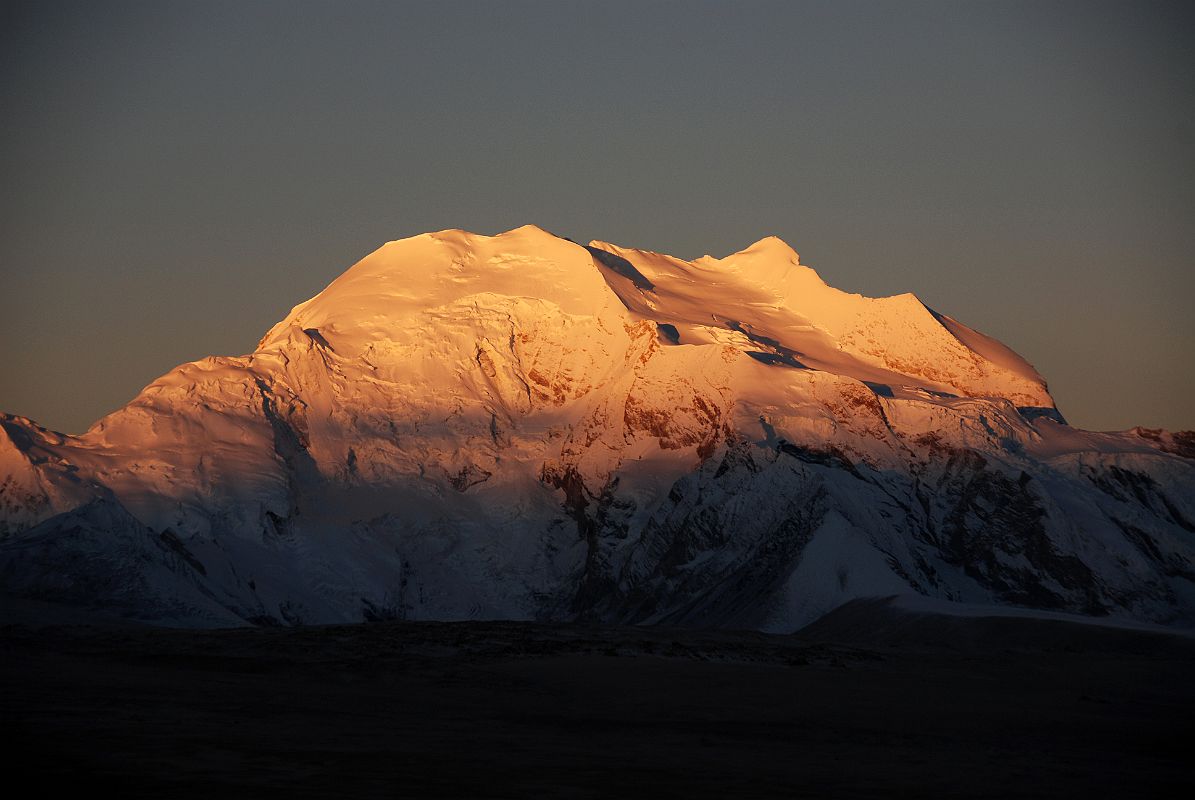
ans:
(519, 426)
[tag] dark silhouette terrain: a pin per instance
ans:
(869, 702)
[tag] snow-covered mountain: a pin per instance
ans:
(522, 427)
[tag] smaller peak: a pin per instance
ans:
(772, 245)
(770, 262)
(528, 230)
(462, 235)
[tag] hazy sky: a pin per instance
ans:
(175, 176)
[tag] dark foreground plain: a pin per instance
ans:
(867, 703)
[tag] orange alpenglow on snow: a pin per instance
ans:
(521, 426)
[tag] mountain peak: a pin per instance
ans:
(770, 263)
(387, 293)
(772, 247)
(531, 230)
(520, 427)
(462, 236)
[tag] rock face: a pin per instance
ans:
(522, 427)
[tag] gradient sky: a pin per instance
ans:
(176, 176)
